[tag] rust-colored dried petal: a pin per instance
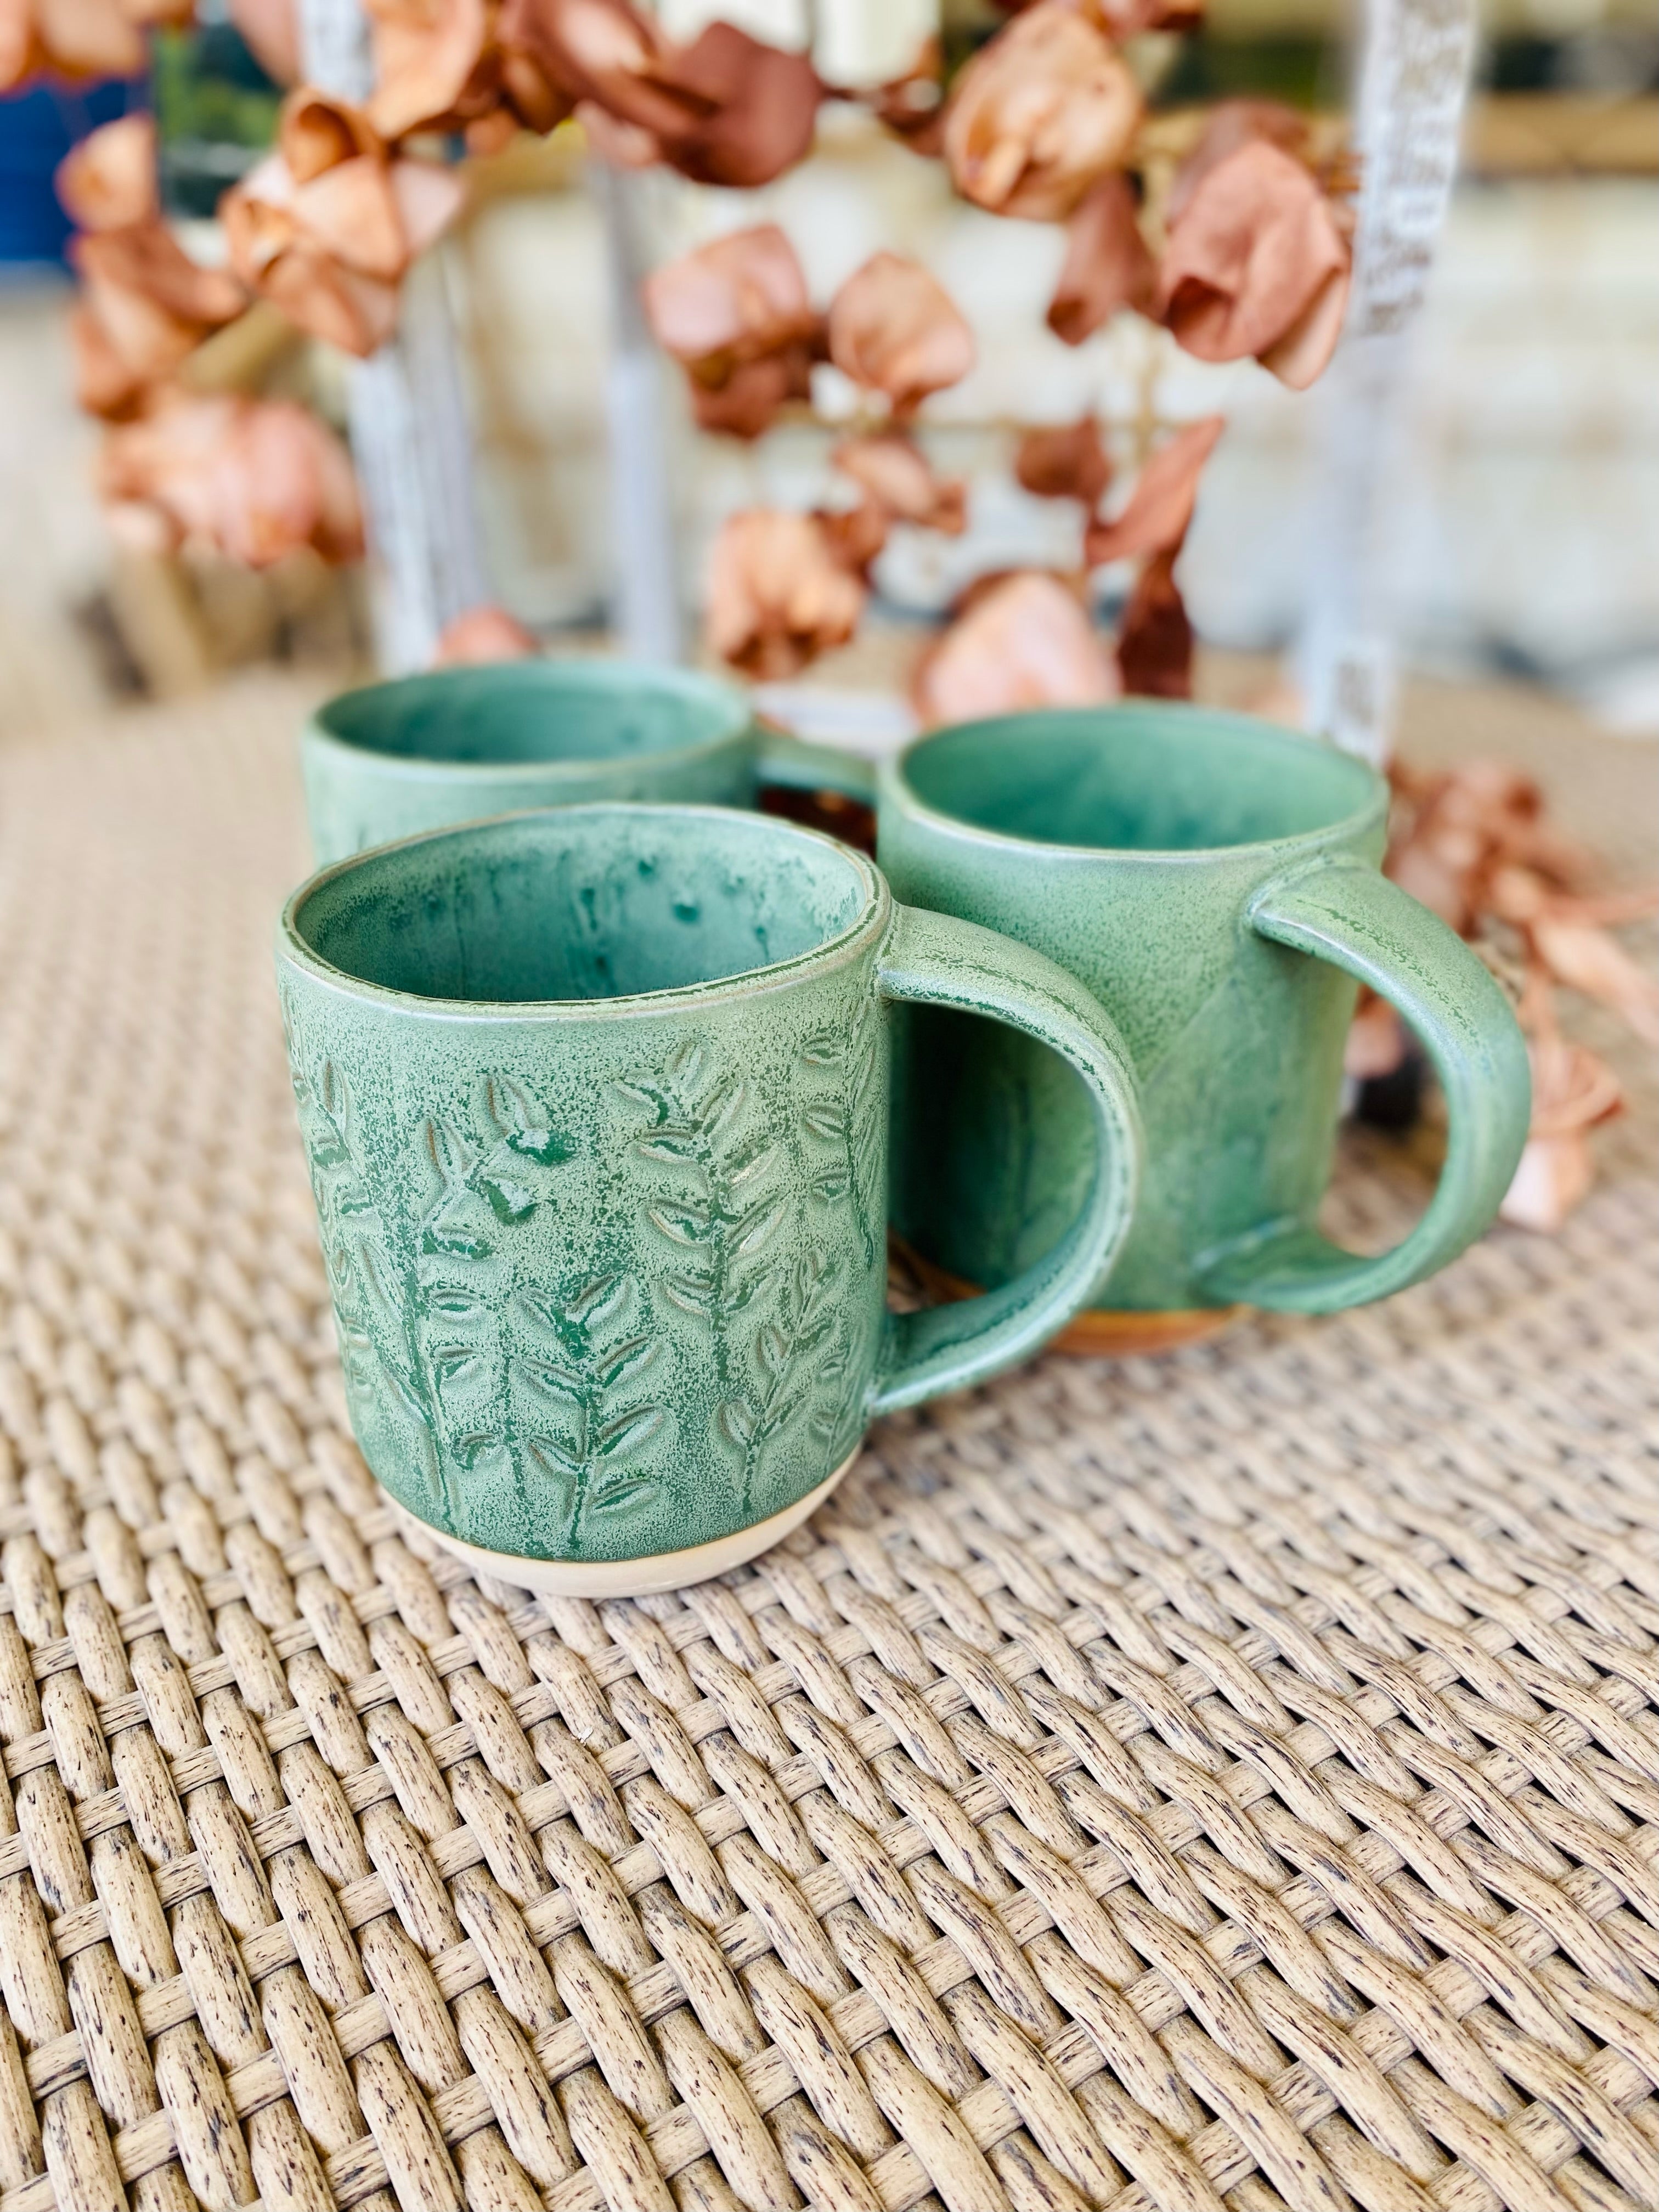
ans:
(1041, 114)
(1160, 507)
(315, 131)
(530, 93)
(83, 38)
(1256, 263)
(108, 181)
(148, 260)
(348, 213)
(355, 312)
(105, 383)
(733, 300)
(750, 109)
(913, 106)
(1107, 264)
(854, 535)
(746, 399)
(1586, 959)
(271, 29)
(724, 110)
(1023, 641)
(1155, 644)
(1230, 124)
(896, 478)
(1068, 462)
(777, 596)
(894, 329)
(430, 64)
(1573, 1090)
(254, 479)
(484, 634)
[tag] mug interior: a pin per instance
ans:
(1138, 778)
(521, 713)
(580, 903)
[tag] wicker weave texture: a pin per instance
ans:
(1234, 1779)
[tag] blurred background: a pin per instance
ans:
(1523, 525)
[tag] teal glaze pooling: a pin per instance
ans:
(1236, 1035)
(606, 1248)
(459, 745)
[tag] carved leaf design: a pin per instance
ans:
(841, 1118)
(797, 1364)
(725, 1207)
(579, 1372)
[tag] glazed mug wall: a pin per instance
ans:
(1215, 882)
(595, 1102)
(458, 745)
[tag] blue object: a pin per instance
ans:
(38, 126)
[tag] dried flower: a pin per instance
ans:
(737, 315)
(1041, 114)
(144, 305)
(777, 595)
(1019, 640)
(108, 181)
(254, 479)
(894, 329)
(1068, 462)
(724, 110)
(484, 634)
(1155, 643)
(325, 226)
(854, 535)
(1256, 262)
(896, 478)
(1452, 830)
(77, 37)
(433, 67)
(1160, 508)
(1107, 264)
(1572, 1089)
(1568, 938)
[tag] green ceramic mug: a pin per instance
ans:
(1214, 882)
(458, 745)
(595, 1103)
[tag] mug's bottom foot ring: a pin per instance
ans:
(1099, 1331)
(602, 1578)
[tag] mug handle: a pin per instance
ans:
(788, 762)
(1349, 915)
(938, 961)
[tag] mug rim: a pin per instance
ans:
(894, 774)
(610, 673)
(874, 916)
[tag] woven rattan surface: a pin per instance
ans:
(1232, 1778)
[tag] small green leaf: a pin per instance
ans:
(508, 1201)
(629, 1433)
(737, 1420)
(685, 1224)
(620, 1496)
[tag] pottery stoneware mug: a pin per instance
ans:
(1214, 882)
(456, 745)
(595, 1103)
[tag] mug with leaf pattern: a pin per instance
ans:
(595, 1104)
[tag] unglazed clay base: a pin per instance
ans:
(1098, 1330)
(662, 1571)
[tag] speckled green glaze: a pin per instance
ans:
(1214, 882)
(423, 752)
(595, 1103)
